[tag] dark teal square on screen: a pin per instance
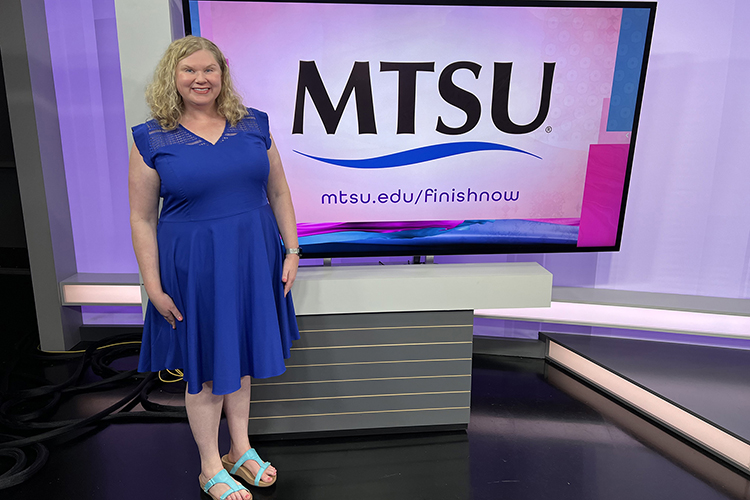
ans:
(630, 48)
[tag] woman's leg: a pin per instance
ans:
(237, 411)
(204, 414)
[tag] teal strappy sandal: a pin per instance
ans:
(235, 468)
(222, 477)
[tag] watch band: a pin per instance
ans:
(294, 251)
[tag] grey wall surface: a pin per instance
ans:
(11, 218)
(41, 175)
(144, 30)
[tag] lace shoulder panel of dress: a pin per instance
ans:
(247, 124)
(159, 138)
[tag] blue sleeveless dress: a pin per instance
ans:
(220, 257)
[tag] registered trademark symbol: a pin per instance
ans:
(548, 129)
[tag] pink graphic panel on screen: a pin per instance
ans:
(602, 194)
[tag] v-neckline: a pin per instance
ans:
(223, 133)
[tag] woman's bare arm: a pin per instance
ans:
(143, 189)
(280, 199)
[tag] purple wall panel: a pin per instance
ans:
(88, 87)
(86, 69)
(112, 315)
(727, 241)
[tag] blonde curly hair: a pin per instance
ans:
(166, 102)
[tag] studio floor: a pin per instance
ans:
(530, 437)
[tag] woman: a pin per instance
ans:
(217, 278)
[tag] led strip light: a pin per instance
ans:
(628, 317)
(686, 423)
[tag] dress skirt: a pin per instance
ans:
(224, 275)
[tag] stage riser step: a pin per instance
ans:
(370, 371)
(712, 438)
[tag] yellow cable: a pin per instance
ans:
(39, 348)
(174, 373)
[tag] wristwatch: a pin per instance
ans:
(294, 251)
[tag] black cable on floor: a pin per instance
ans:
(20, 471)
(21, 410)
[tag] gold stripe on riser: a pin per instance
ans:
(358, 387)
(362, 421)
(370, 371)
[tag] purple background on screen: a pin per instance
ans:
(686, 230)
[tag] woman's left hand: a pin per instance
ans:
(289, 272)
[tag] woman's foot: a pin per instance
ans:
(220, 488)
(268, 475)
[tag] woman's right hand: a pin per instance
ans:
(165, 305)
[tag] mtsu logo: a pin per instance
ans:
(360, 85)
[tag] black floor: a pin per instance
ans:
(535, 433)
(712, 382)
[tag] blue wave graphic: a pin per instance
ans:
(419, 155)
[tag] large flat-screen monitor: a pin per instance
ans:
(431, 128)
